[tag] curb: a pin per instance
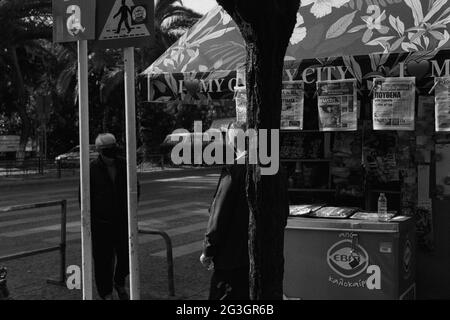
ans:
(37, 181)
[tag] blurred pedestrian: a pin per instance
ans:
(109, 218)
(225, 249)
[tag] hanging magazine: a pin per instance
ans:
(442, 103)
(292, 103)
(393, 103)
(337, 104)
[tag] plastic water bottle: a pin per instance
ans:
(382, 207)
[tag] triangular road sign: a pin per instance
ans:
(126, 20)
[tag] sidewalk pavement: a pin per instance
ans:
(27, 277)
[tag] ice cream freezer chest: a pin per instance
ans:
(349, 259)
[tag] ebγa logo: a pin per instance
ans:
(346, 262)
(407, 259)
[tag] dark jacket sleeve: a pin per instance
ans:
(220, 215)
(138, 191)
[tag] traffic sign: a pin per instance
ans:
(73, 20)
(124, 23)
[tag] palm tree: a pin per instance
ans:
(170, 22)
(172, 19)
(28, 26)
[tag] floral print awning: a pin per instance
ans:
(324, 28)
(213, 43)
(358, 27)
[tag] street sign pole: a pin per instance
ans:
(127, 24)
(130, 115)
(83, 100)
(74, 20)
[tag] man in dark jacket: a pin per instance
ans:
(109, 218)
(226, 239)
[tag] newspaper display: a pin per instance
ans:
(338, 105)
(240, 95)
(442, 103)
(292, 104)
(393, 103)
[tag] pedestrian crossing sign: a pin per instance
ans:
(124, 23)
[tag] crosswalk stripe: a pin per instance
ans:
(29, 212)
(16, 222)
(191, 187)
(69, 238)
(67, 193)
(200, 181)
(163, 220)
(43, 192)
(166, 193)
(177, 179)
(70, 213)
(143, 238)
(29, 198)
(55, 227)
(182, 250)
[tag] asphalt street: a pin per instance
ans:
(173, 201)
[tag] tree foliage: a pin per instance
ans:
(33, 66)
(24, 24)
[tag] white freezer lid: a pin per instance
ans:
(339, 225)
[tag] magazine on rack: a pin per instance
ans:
(337, 104)
(394, 103)
(442, 103)
(292, 103)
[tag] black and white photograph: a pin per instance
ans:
(190, 153)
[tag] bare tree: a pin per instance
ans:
(266, 26)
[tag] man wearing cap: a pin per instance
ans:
(109, 218)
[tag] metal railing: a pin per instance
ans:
(37, 166)
(23, 167)
(169, 256)
(59, 168)
(61, 247)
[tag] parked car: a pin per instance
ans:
(72, 157)
(173, 139)
(218, 127)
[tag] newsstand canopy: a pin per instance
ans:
(209, 54)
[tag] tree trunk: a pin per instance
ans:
(105, 118)
(266, 27)
(21, 105)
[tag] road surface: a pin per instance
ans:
(173, 201)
